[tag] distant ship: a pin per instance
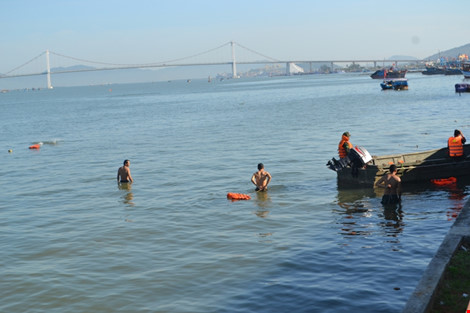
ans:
(390, 73)
(396, 84)
(466, 70)
(453, 71)
(433, 70)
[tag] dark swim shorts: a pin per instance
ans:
(390, 199)
(124, 181)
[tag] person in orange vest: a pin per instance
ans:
(344, 145)
(455, 144)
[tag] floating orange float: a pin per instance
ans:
(444, 181)
(36, 146)
(237, 196)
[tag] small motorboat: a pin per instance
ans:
(462, 87)
(395, 84)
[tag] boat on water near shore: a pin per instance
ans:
(466, 70)
(396, 84)
(453, 71)
(390, 73)
(433, 70)
(462, 87)
(359, 169)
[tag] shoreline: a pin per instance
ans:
(422, 298)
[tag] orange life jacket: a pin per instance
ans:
(341, 150)
(455, 146)
(237, 196)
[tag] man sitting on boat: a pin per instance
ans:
(344, 145)
(455, 144)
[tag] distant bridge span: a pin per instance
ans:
(216, 63)
(233, 63)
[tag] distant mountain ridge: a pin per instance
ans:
(451, 53)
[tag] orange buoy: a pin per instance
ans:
(237, 196)
(36, 146)
(444, 181)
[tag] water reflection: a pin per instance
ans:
(263, 201)
(360, 212)
(127, 196)
(393, 223)
(456, 196)
(354, 206)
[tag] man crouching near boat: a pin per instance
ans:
(392, 184)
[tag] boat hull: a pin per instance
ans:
(462, 87)
(466, 74)
(396, 84)
(412, 168)
(389, 74)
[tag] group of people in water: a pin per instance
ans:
(260, 179)
(390, 181)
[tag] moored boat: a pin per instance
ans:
(453, 71)
(396, 84)
(433, 70)
(390, 73)
(466, 70)
(462, 87)
(412, 167)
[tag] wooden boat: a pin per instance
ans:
(412, 168)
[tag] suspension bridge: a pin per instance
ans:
(290, 65)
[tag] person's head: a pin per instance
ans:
(347, 134)
(393, 168)
(126, 162)
(260, 166)
(457, 133)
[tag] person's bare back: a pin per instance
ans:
(392, 184)
(261, 178)
(124, 173)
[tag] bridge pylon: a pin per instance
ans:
(49, 84)
(234, 64)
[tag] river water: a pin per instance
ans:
(73, 240)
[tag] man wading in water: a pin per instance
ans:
(124, 173)
(392, 184)
(261, 178)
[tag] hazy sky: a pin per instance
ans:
(152, 31)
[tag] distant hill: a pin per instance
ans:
(451, 53)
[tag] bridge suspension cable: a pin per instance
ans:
(18, 67)
(260, 54)
(142, 64)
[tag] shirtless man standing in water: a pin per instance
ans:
(392, 184)
(261, 178)
(124, 173)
